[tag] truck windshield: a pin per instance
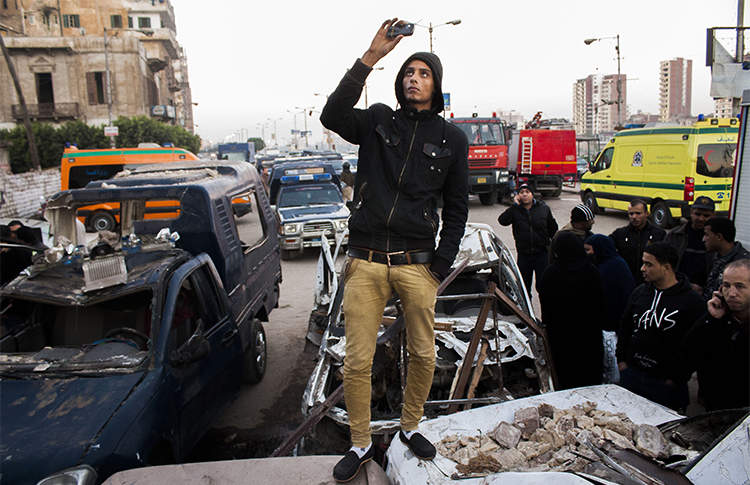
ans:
(305, 195)
(235, 156)
(483, 133)
(715, 160)
(109, 333)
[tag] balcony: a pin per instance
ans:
(48, 111)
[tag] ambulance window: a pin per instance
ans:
(81, 175)
(715, 160)
(605, 160)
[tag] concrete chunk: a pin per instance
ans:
(649, 441)
(527, 420)
(506, 435)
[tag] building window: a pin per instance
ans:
(116, 21)
(130, 22)
(144, 22)
(44, 92)
(72, 21)
(95, 87)
(5, 4)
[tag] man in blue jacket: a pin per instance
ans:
(408, 159)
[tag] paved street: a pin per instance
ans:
(267, 412)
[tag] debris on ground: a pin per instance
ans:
(544, 438)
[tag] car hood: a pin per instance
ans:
(333, 211)
(61, 416)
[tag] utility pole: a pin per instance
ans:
(109, 87)
(22, 101)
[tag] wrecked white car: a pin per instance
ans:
(508, 358)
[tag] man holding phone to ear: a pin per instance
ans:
(408, 159)
(718, 345)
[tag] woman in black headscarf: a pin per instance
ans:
(573, 303)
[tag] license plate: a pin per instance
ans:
(482, 180)
(315, 239)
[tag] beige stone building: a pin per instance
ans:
(62, 57)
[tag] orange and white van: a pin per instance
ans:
(79, 167)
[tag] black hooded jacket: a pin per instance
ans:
(653, 326)
(407, 160)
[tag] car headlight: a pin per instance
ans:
(291, 229)
(342, 224)
(77, 475)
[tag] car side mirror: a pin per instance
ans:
(196, 348)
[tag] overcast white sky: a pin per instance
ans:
(254, 60)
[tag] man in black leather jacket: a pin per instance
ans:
(408, 159)
(632, 239)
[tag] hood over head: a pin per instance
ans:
(436, 67)
(604, 247)
(569, 251)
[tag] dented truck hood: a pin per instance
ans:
(63, 416)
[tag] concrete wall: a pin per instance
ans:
(20, 194)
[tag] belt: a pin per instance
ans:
(392, 259)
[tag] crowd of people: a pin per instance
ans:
(641, 308)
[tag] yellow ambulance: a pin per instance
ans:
(666, 167)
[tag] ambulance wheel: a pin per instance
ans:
(661, 215)
(590, 200)
(102, 221)
(488, 198)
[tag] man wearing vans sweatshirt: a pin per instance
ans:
(633, 238)
(657, 317)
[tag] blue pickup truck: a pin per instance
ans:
(123, 354)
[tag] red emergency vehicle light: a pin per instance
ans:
(689, 193)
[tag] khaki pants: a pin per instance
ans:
(368, 288)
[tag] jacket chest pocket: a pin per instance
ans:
(389, 139)
(433, 164)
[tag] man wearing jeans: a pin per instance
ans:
(408, 159)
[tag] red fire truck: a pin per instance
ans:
(488, 156)
(543, 155)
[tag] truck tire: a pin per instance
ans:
(590, 200)
(286, 254)
(557, 192)
(102, 221)
(488, 198)
(255, 357)
(661, 215)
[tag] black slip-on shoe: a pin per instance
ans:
(348, 467)
(419, 445)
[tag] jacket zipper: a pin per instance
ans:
(398, 190)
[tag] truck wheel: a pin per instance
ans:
(590, 200)
(254, 360)
(661, 215)
(102, 221)
(488, 198)
(286, 255)
(557, 192)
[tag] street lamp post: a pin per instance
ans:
(275, 133)
(325, 131)
(374, 69)
(431, 28)
(295, 125)
(304, 114)
(619, 80)
(262, 127)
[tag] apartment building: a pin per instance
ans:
(675, 89)
(595, 107)
(64, 52)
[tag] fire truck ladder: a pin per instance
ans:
(526, 150)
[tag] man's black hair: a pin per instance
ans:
(723, 226)
(637, 202)
(663, 252)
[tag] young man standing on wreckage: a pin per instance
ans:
(408, 159)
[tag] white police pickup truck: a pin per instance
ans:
(309, 205)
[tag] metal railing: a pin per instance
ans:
(47, 111)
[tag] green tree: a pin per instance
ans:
(142, 129)
(258, 142)
(20, 158)
(83, 135)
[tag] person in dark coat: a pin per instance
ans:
(618, 286)
(14, 258)
(632, 239)
(572, 296)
